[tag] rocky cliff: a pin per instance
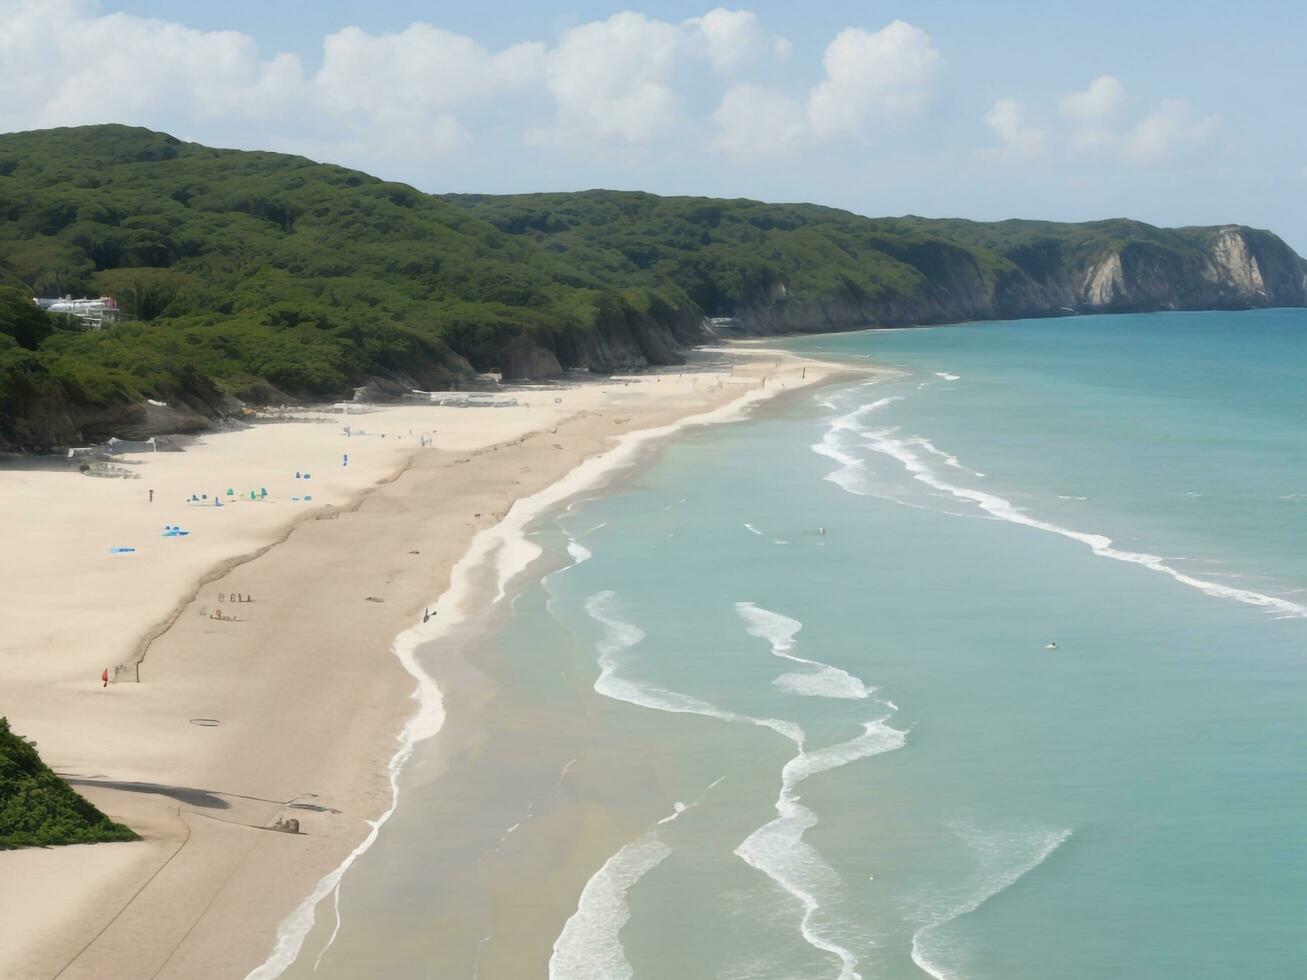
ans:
(1232, 268)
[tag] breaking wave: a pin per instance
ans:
(589, 945)
(1004, 860)
(777, 849)
(852, 477)
(780, 631)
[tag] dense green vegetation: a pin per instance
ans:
(254, 267)
(262, 276)
(834, 269)
(726, 253)
(37, 808)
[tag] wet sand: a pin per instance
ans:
(306, 692)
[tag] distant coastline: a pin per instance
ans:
(348, 282)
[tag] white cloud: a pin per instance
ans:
(403, 92)
(376, 96)
(734, 38)
(420, 70)
(619, 82)
(63, 64)
(1101, 100)
(612, 82)
(755, 122)
(1173, 127)
(625, 84)
(872, 76)
(622, 84)
(1017, 139)
(414, 94)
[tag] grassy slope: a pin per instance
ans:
(37, 808)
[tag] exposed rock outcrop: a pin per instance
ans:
(1221, 268)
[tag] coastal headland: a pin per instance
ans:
(261, 631)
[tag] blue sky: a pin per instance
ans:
(1172, 113)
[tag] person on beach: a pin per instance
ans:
(105, 677)
(151, 496)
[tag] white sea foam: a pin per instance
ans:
(505, 548)
(511, 551)
(589, 947)
(680, 808)
(567, 767)
(948, 458)
(822, 684)
(677, 809)
(1004, 860)
(579, 554)
(886, 442)
(753, 530)
(619, 636)
(947, 377)
(853, 469)
(424, 723)
(778, 849)
(780, 631)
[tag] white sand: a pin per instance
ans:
(309, 696)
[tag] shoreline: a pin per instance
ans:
(459, 604)
(251, 885)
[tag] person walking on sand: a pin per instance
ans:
(151, 496)
(105, 677)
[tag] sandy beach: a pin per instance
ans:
(283, 706)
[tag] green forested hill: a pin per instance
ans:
(261, 276)
(38, 808)
(782, 267)
(256, 269)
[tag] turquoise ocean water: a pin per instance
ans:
(995, 668)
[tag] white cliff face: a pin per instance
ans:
(1104, 282)
(1236, 265)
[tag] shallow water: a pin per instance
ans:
(786, 705)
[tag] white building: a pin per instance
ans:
(93, 313)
